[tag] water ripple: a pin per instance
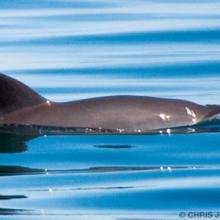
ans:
(72, 49)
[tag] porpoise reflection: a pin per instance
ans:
(21, 106)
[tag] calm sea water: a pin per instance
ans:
(73, 49)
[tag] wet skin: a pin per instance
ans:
(19, 105)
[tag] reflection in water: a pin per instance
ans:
(114, 146)
(18, 170)
(19, 133)
(14, 139)
(7, 197)
(65, 172)
(124, 169)
(8, 211)
(13, 143)
(72, 49)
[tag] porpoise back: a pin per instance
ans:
(14, 95)
(20, 105)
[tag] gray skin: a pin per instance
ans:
(22, 106)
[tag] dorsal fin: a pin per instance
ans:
(14, 95)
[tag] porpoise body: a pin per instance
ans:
(20, 105)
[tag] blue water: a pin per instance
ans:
(72, 49)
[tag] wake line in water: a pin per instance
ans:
(18, 170)
(184, 36)
(164, 71)
(9, 197)
(91, 48)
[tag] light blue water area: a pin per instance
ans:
(72, 49)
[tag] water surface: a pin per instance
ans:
(70, 49)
